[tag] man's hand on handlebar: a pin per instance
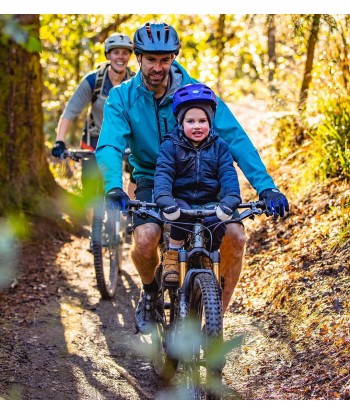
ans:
(118, 197)
(275, 201)
(58, 149)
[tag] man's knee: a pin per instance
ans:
(146, 239)
(234, 237)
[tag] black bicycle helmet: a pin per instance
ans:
(156, 38)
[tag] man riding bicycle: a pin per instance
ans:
(139, 112)
(93, 90)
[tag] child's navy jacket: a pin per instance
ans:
(197, 175)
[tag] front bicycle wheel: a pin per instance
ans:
(107, 247)
(206, 317)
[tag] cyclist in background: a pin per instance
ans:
(139, 113)
(93, 90)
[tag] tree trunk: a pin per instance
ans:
(309, 61)
(75, 129)
(271, 48)
(345, 61)
(220, 44)
(24, 173)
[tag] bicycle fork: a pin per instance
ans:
(183, 303)
(182, 259)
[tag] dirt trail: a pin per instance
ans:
(60, 341)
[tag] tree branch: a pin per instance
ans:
(102, 36)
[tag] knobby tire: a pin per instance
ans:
(164, 365)
(206, 315)
(107, 247)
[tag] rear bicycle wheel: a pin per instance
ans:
(207, 319)
(107, 247)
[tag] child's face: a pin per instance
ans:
(196, 125)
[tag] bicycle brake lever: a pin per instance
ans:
(248, 213)
(145, 213)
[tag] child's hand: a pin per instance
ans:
(169, 207)
(227, 206)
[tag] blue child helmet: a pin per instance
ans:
(191, 94)
(156, 38)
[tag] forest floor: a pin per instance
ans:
(291, 309)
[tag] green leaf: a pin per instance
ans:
(33, 45)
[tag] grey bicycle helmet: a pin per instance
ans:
(156, 38)
(118, 40)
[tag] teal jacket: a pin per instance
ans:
(131, 117)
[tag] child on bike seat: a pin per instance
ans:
(194, 169)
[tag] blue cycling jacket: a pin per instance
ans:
(132, 116)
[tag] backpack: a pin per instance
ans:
(88, 141)
(90, 134)
(99, 81)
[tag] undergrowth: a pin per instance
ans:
(317, 141)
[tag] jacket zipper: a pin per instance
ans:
(158, 121)
(197, 173)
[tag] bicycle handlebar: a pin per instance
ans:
(78, 154)
(252, 208)
(140, 204)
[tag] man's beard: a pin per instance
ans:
(147, 78)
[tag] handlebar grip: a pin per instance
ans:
(259, 204)
(139, 203)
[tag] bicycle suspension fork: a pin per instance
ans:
(183, 307)
(215, 257)
(182, 266)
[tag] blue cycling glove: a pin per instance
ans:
(118, 197)
(275, 201)
(58, 149)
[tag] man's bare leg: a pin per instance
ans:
(144, 251)
(131, 189)
(232, 252)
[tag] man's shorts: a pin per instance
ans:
(144, 192)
